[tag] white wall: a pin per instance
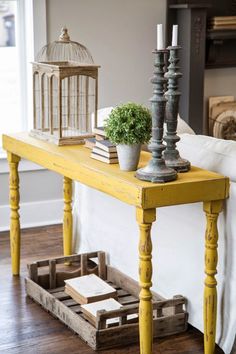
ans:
(40, 199)
(121, 36)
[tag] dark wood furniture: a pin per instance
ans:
(202, 49)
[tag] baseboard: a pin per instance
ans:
(39, 213)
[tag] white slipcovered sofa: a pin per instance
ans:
(102, 222)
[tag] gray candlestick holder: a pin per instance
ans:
(156, 170)
(171, 154)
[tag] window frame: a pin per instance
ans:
(31, 36)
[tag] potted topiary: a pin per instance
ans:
(129, 126)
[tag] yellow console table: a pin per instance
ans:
(74, 163)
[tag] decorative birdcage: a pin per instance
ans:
(65, 92)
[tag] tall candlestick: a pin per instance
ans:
(174, 36)
(160, 39)
(156, 171)
(171, 154)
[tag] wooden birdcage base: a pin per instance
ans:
(47, 288)
(63, 141)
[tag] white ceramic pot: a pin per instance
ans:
(128, 156)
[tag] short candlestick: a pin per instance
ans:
(156, 170)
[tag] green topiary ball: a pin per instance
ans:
(129, 124)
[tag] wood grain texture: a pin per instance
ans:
(75, 163)
(145, 219)
(67, 217)
(212, 210)
(35, 331)
(14, 199)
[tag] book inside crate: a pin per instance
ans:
(45, 285)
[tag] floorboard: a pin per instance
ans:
(26, 328)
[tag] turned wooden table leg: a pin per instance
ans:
(14, 199)
(145, 219)
(67, 218)
(212, 210)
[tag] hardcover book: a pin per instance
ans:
(106, 145)
(90, 310)
(89, 288)
(90, 142)
(104, 153)
(100, 137)
(99, 131)
(104, 159)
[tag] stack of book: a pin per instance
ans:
(99, 135)
(93, 294)
(105, 151)
(222, 23)
(102, 149)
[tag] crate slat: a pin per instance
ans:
(61, 295)
(128, 300)
(102, 271)
(56, 290)
(70, 302)
(76, 309)
(122, 293)
(52, 274)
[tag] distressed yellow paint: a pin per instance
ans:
(74, 163)
(145, 219)
(212, 210)
(14, 199)
(67, 217)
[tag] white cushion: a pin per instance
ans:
(210, 153)
(183, 127)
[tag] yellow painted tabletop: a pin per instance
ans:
(75, 162)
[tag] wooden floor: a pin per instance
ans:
(26, 328)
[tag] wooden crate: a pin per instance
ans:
(45, 285)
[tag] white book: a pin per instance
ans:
(90, 310)
(89, 288)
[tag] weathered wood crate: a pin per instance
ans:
(45, 285)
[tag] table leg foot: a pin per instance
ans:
(212, 210)
(67, 218)
(145, 219)
(14, 199)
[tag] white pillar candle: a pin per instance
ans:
(160, 40)
(174, 36)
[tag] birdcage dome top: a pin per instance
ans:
(64, 50)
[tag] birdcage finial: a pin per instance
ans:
(64, 36)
